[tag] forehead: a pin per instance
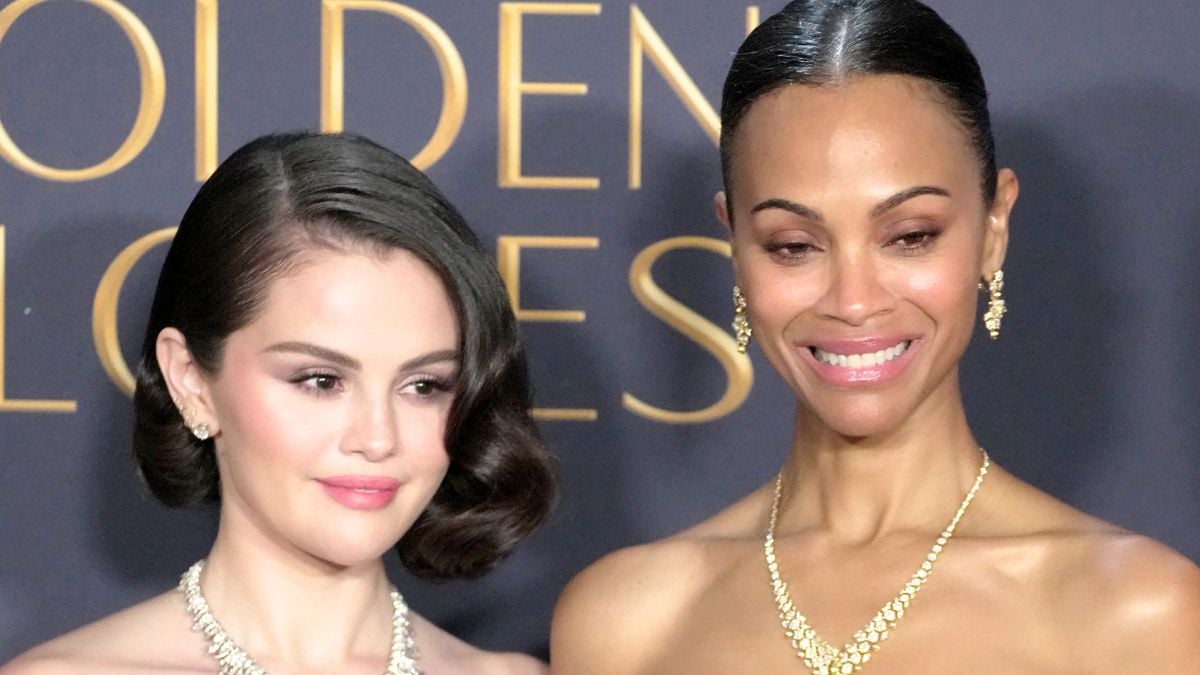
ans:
(363, 304)
(877, 134)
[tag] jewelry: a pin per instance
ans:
(741, 324)
(402, 659)
(201, 431)
(996, 308)
(821, 657)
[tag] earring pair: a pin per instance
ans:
(992, 318)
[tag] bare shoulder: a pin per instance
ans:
(639, 594)
(441, 652)
(146, 638)
(1135, 599)
(1145, 598)
(635, 594)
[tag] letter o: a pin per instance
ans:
(150, 108)
(104, 307)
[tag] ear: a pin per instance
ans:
(995, 237)
(721, 206)
(185, 379)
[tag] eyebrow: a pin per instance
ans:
(789, 205)
(352, 363)
(905, 195)
(878, 210)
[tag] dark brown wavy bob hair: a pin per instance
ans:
(282, 195)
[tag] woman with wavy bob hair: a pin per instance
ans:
(867, 220)
(331, 357)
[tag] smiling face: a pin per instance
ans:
(859, 235)
(330, 407)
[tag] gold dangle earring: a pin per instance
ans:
(996, 309)
(741, 324)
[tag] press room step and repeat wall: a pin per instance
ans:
(579, 139)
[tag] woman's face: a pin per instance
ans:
(859, 237)
(331, 406)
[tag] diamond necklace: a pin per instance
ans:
(821, 657)
(402, 659)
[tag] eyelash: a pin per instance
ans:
(308, 382)
(438, 385)
(910, 243)
(916, 241)
(793, 250)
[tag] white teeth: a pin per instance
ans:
(861, 360)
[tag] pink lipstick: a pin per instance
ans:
(363, 493)
(866, 361)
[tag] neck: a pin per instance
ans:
(912, 477)
(290, 610)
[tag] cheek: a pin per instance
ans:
(422, 430)
(945, 290)
(274, 423)
(775, 293)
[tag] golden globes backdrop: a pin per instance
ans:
(579, 139)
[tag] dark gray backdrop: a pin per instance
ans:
(1090, 393)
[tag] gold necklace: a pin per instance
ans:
(402, 658)
(821, 657)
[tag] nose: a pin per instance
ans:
(855, 291)
(371, 431)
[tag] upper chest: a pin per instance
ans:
(974, 614)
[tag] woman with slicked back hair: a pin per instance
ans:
(866, 213)
(332, 359)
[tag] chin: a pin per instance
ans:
(348, 558)
(859, 419)
(347, 549)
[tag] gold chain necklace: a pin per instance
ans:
(821, 657)
(402, 658)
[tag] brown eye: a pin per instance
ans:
(428, 386)
(318, 383)
(916, 241)
(324, 382)
(791, 250)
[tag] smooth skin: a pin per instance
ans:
(338, 375)
(837, 237)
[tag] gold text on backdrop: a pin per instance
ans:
(150, 108)
(645, 44)
(512, 88)
(714, 339)
(508, 260)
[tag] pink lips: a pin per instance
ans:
(363, 493)
(843, 376)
